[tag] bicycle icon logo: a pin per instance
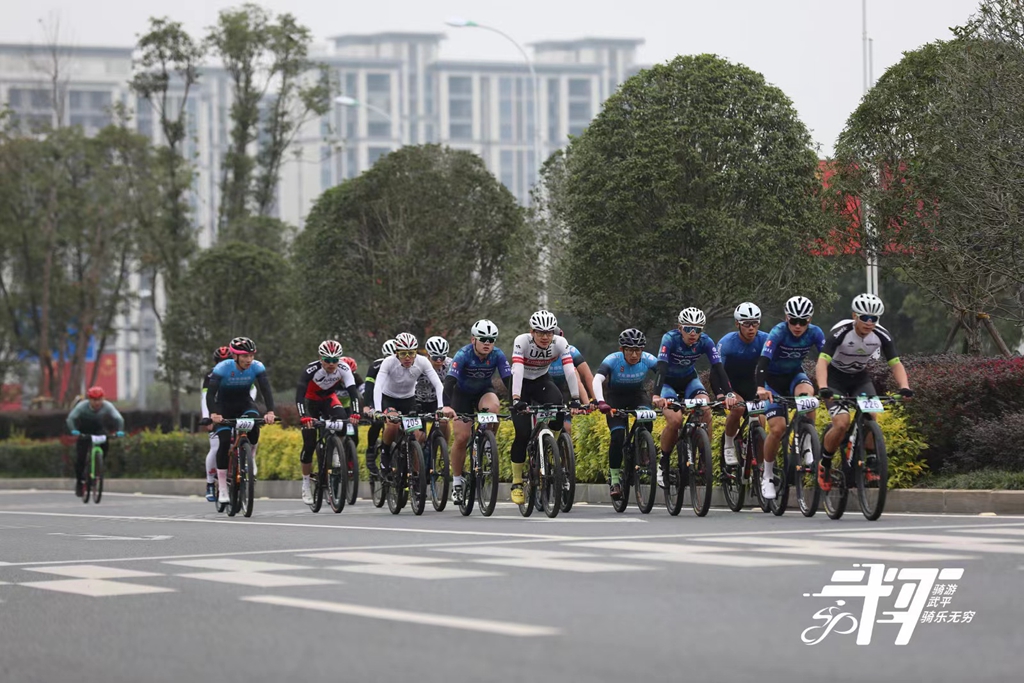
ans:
(831, 619)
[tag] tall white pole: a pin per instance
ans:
(871, 274)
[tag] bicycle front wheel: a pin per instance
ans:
(733, 486)
(440, 484)
(487, 477)
(97, 479)
(645, 472)
(337, 474)
(806, 446)
(248, 465)
(234, 484)
(626, 474)
(702, 479)
(675, 474)
(352, 472)
(551, 476)
(316, 477)
(568, 454)
(872, 472)
(417, 478)
(757, 437)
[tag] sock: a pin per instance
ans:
(457, 480)
(769, 469)
(211, 463)
(222, 479)
(255, 464)
(517, 472)
(614, 477)
(305, 481)
(730, 441)
(666, 458)
(211, 475)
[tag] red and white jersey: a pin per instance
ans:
(535, 360)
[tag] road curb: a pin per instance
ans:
(898, 500)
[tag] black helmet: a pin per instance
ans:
(240, 345)
(632, 338)
(222, 353)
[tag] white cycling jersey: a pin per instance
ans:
(397, 382)
(530, 361)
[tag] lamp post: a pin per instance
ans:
(871, 274)
(459, 22)
(347, 101)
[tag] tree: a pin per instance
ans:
(260, 53)
(933, 154)
(696, 185)
(426, 241)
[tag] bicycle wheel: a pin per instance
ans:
(644, 472)
(469, 482)
(487, 477)
(378, 487)
(806, 443)
(233, 483)
(531, 476)
(318, 468)
(395, 504)
(733, 487)
(757, 437)
(440, 484)
(418, 476)
(702, 478)
(674, 476)
(835, 499)
(626, 474)
(248, 466)
(779, 504)
(568, 453)
(97, 485)
(337, 474)
(352, 471)
(551, 480)
(872, 472)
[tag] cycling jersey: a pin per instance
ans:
(84, 419)
(557, 370)
(620, 376)
(425, 389)
(371, 377)
(681, 358)
(786, 353)
(849, 352)
(204, 409)
(399, 382)
(230, 385)
(740, 360)
(317, 384)
(530, 361)
(473, 374)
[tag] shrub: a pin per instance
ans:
(996, 443)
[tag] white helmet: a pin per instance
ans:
(330, 349)
(388, 349)
(746, 311)
(406, 342)
(436, 346)
(868, 304)
(799, 307)
(543, 321)
(484, 328)
(692, 316)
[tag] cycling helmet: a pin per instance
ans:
(406, 342)
(559, 332)
(350, 362)
(632, 338)
(799, 307)
(95, 392)
(484, 328)
(388, 349)
(241, 345)
(868, 304)
(692, 316)
(746, 311)
(543, 321)
(222, 353)
(330, 349)
(437, 346)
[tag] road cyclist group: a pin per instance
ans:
(770, 442)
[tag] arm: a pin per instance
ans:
(202, 400)
(659, 379)
(719, 380)
(821, 370)
(761, 370)
(73, 416)
(450, 383)
(211, 395)
(268, 396)
(584, 396)
(378, 384)
(114, 414)
(599, 387)
(517, 379)
(900, 374)
(300, 390)
(435, 382)
(587, 380)
(570, 376)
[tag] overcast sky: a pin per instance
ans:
(809, 48)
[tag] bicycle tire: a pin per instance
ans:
(97, 489)
(626, 473)
(86, 488)
(352, 471)
(757, 436)
(644, 472)
(316, 476)
(490, 473)
(551, 479)
(674, 476)
(808, 494)
(394, 498)
(530, 481)
(248, 493)
(702, 476)
(834, 501)
(732, 477)
(872, 473)
(568, 455)
(418, 476)
(378, 487)
(337, 473)
(469, 479)
(440, 482)
(233, 501)
(779, 504)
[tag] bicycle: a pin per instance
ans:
(329, 474)
(241, 465)
(639, 461)
(94, 475)
(568, 458)
(543, 469)
(480, 479)
(437, 464)
(693, 449)
(750, 445)
(870, 470)
(407, 481)
(799, 441)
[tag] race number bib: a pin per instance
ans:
(350, 429)
(757, 407)
(336, 425)
(646, 415)
(412, 424)
(98, 439)
(486, 418)
(870, 404)
(806, 404)
(244, 425)
(546, 415)
(695, 403)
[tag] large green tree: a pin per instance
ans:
(696, 185)
(426, 241)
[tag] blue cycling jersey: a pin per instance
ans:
(682, 358)
(625, 377)
(556, 371)
(473, 373)
(235, 383)
(739, 357)
(785, 352)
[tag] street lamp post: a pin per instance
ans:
(459, 22)
(871, 274)
(347, 101)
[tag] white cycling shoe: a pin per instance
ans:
(768, 489)
(307, 496)
(730, 456)
(222, 496)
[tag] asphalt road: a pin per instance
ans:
(149, 588)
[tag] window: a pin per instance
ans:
(376, 153)
(144, 117)
(554, 90)
(351, 162)
(508, 169)
(485, 108)
(89, 109)
(579, 87)
(378, 95)
(460, 85)
(326, 177)
(460, 107)
(505, 119)
(580, 111)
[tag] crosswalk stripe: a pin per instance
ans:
(957, 543)
(376, 558)
(505, 551)
(91, 571)
(998, 531)
(409, 571)
(689, 554)
(504, 628)
(229, 564)
(96, 588)
(550, 563)
(257, 579)
(814, 548)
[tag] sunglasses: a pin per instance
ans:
(799, 322)
(330, 359)
(868, 318)
(544, 333)
(689, 329)
(750, 323)
(487, 340)
(438, 358)
(405, 354)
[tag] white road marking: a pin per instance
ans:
(503, 628)
(376, 558)
(957, 543)
(257, 579)
(104, 537)
(818, 548)
(409, 571)
(231, 565)
(96, 588)
(999, 531)
(573, 520)
(92, 571)
(501, 551)
(553, 564)
(689, 554)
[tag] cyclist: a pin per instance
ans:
(343, 396)
(532, 354)
(584, 379)
(740, 350)
(316, 397)
(228, 397)
(394, 390)
(677, 377)
(219, 354)
(843, 362)
(437, 352)
(468, 388)
(387, 350)
(86, 418)
(624, 372)
(780, 373)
